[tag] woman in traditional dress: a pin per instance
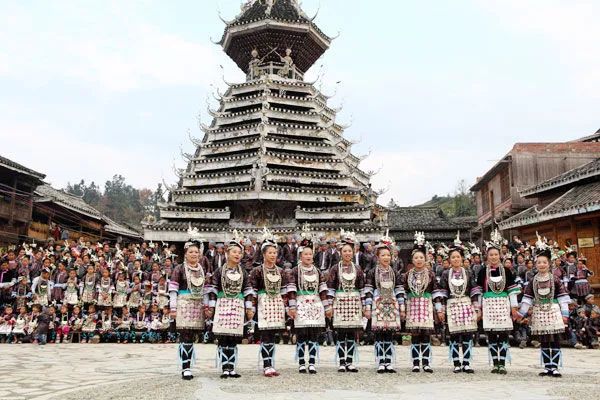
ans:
(547, 301)
(497, 293)
(579, 276)
(416, 306)
(269, 284)
(226, 293)
(345, 287)
(381, 288)
(461, 310)
(186, 300)
(307, 294)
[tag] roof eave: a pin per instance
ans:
(549, 185)
(491, 172)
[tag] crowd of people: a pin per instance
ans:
(305, 291)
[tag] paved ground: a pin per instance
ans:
(105, 371)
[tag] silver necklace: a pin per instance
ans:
(385, 280)
(231, 280)
(347, 279)
(272, 280)
(418, 281)
(308, 279)
(496, 283)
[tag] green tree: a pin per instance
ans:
(89, 193)
(464, 201)
(121, 201)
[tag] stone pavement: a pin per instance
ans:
(133, 371)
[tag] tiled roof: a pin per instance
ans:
(118, 229)
(315, 226)
(282, 10)
(345, 208)
(5, 162)
(422, 218)
(589, 170)
(580, 199)
(47, 193)
(66, 200)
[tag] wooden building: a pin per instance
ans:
(274, 154)
(17, 184)
(566, 209)
(497, 192)
(53, 207)
(437, 226)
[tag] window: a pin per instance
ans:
(505, 184)
(485, 199)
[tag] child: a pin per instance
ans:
(59, 282)
(6, 324)
(166, 320)
(87, 286)
(135, 297)
(140, 325)
(63, 324)
(22, 292)
(71, 296)
(155, 325)
(51, 324)
(105, 290)
(593, 328)
(123, 326)
(20, 328)
(155, 275)
(148, 294)
(162, 293)
(42, 324)
(76, 323)
(121, 290)
(40, 287)
(106, 327)
(579, 327)
(90, 322)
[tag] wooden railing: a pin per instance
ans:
(273, 68)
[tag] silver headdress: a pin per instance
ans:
(474, 250)
(496, 241)
(194, 238)
(347, 237)
(236, 239)
(386, 242)
(420, 243)
(268, 239)
(306, 236)
(541, 247)
(443, 251)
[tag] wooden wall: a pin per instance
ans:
(568, 231)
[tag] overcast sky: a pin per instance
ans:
(436, 90)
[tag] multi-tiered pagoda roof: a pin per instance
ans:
(274, 154)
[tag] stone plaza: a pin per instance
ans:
(107, 371)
